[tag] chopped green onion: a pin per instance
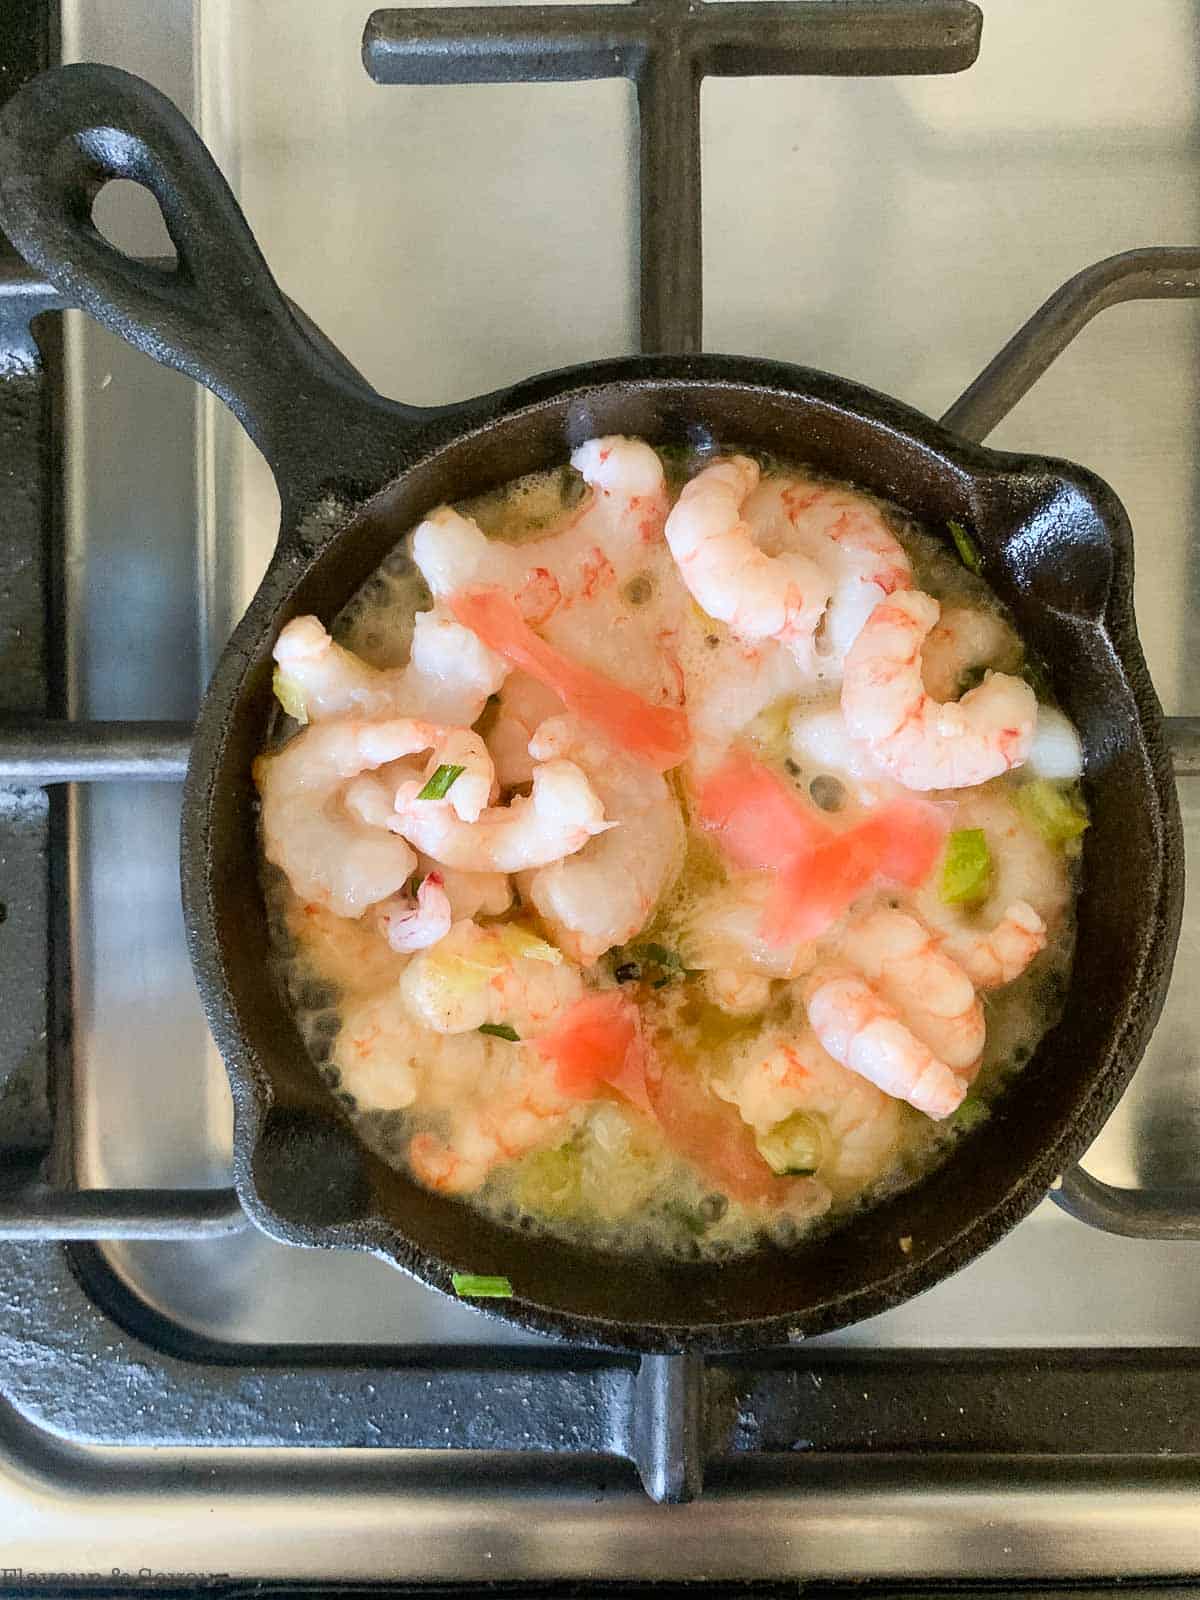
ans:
(519, 942)
(968, 552)
(290, 695)
(970, 1114)
(966, 867)
(1057, 813)
(476, 1286)
(441, 783)
(794, 1147)
(500, 1030)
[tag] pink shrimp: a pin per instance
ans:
(331, 852)
(415, 924)
(1027, 895)
(846, 535)
(865, 1033)
(930, 991)
(605, 893)
(760, 597)
(555, 820)
(447, 679)
(659, 734)
(966, 639)
(782, 1072)
(921, 743)
(528, 1112)
(589, 550)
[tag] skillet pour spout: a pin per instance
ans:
(356, 470)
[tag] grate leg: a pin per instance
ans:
(668, 1427)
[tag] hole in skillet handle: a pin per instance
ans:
(130, 218)
(218, 314)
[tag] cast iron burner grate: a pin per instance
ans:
(74, 1368)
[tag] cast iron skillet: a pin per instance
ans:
(354, 471)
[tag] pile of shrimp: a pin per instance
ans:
(627, 866)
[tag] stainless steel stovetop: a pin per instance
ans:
(450, 240)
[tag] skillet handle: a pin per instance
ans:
(218, 314)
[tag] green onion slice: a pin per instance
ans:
(968, 550)
(480, 1286)
(500, 1030)
(1057, 813)
(966, 867)
(441, 783)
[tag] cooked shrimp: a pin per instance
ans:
(371, 797)
(474, 976)
(846, 535)
(994, 942)
(922, 743)
(448, 677)
(322, 812)
(759, 596)
(555, 820)
(409, 923)
(471, 894)
(384, 1058)
(930, 991)
(742, 994)
(353, 956)
(524, 705)
(452, 672)
(774, 1077)
(595, 546)
(330, 856)
(388, 1059)
(605, 893)
(522, 1110)
(629, 491)
(729, 682)
(968, 638)
(964, 640)
(724, 934)
(862, 1031)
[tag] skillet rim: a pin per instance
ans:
(302, 548)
